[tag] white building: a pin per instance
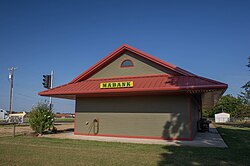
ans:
(17, 117)
(3, 114)
(222, 117)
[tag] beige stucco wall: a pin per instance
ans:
(141, 67)
(149, 116)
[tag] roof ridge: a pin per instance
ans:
(99, 63)
(159, 61)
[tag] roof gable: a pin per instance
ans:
(121, 50)
(138, 67)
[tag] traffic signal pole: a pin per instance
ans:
(51, 86)
(48, 84)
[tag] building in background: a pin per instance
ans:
(132, 94)
(222, 117)
(3, 114)
(17, 117)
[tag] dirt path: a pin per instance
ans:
(7, 130)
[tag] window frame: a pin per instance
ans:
(127, 66)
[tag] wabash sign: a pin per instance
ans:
(108, 85)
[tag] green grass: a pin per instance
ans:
(26, 150)
(64, 119)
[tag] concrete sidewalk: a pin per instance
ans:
(206, 139)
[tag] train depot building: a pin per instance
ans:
(132, 94)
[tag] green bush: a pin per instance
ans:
(41, 118)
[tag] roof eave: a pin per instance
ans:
(196, 89)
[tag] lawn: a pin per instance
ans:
(28, 150)
(64, 119)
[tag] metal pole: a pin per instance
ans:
(51, 86)
(11, 77)
(14, 130)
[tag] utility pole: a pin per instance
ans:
(11, 78)
(51, 86)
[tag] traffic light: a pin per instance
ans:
(47, 81)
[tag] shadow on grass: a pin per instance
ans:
(237, 152)
(69, 130)
(66, 130)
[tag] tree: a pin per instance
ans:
(245, 96)
(244, 110)
(41, 118)
(228, 104)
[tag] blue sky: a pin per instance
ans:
(209, 38)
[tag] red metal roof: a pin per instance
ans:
(142, 84)
(184, 81)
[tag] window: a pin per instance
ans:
(127, 63)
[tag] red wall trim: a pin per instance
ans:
(141, 137)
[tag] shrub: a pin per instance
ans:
(41, 118)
